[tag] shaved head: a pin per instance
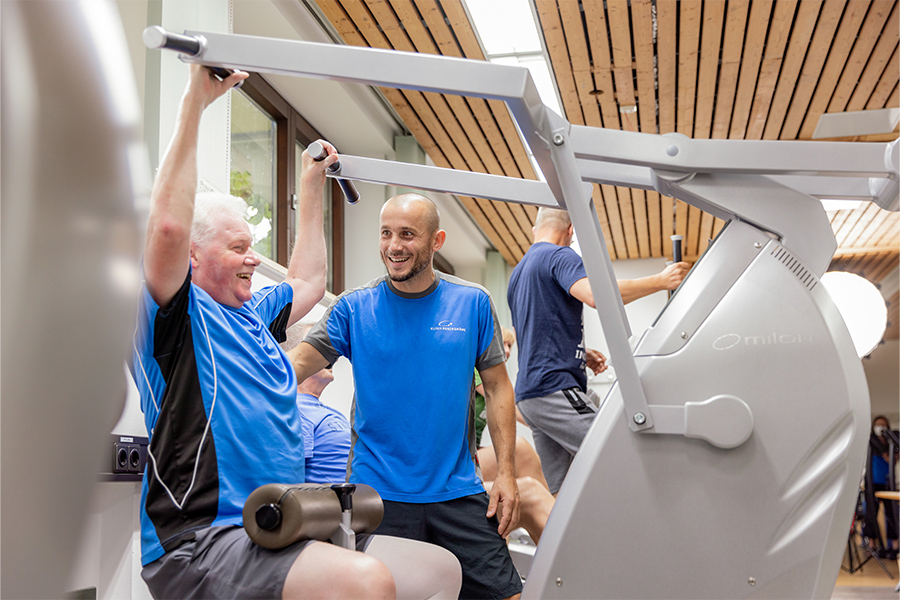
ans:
(431, 218)
(552, 218)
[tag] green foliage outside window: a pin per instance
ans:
(259, 211)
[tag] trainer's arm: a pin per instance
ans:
(632, 289)
(499, 400)
(168, 242)
(306, 360)
(307, 269)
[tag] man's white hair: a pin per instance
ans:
(209, 208)
(554, 218)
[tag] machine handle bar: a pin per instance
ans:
(155, 37)
(317, 152)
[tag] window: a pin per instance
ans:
(267, 139)
(332, 211)
(253, 175)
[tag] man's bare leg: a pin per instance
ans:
(326, 571)
(421, 571)
(528, 464)
(537, 502)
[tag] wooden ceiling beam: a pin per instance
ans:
(878, 14)
(732, 49)
(882, 92)
(828, 22)
(773, 58)
(800, 36)
(841, 45)
(755, 41)
(877, 61)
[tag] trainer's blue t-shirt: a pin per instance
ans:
(549, 322)
(219, 398)
(413, 358)
(326, 440)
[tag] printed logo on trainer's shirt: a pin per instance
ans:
(447, 326)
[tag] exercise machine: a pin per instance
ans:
(725, 461)
(72, 161)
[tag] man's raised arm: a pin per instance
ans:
(307, 269)
(168, 243)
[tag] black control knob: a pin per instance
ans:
(344, 493)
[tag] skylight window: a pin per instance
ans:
(509, 35)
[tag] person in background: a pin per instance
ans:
(547, 293)
(877, 480)
(326, 431)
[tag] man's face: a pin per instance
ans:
(406, 245)
(224, 266)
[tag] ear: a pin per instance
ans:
(439, 238)
(194, 261)
(571, 230)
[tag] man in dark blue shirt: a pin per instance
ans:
(547, 293)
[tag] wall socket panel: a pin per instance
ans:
(129, 454)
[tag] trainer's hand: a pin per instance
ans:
(505, 503)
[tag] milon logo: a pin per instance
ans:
(730, 340)
(447, 326)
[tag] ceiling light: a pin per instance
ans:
(862, 307)
(860, 122)
(832, 204)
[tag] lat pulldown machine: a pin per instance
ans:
(725, 461)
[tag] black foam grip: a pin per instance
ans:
(676, 248)
(317, 152)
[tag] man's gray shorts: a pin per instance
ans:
(223, 562)
(559, 422)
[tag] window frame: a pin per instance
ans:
(291, 128)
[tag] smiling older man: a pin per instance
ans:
(219, 396)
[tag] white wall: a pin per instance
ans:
(883, 373)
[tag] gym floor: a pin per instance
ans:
(869, 583)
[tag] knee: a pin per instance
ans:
(534, 494)
(526, 457)
(371, 577)
(449, 573)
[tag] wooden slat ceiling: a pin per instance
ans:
(734, 69)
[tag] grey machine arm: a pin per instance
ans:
(749, 346)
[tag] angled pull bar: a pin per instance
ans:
(156, 37)
(390, 68)
(450, 181)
